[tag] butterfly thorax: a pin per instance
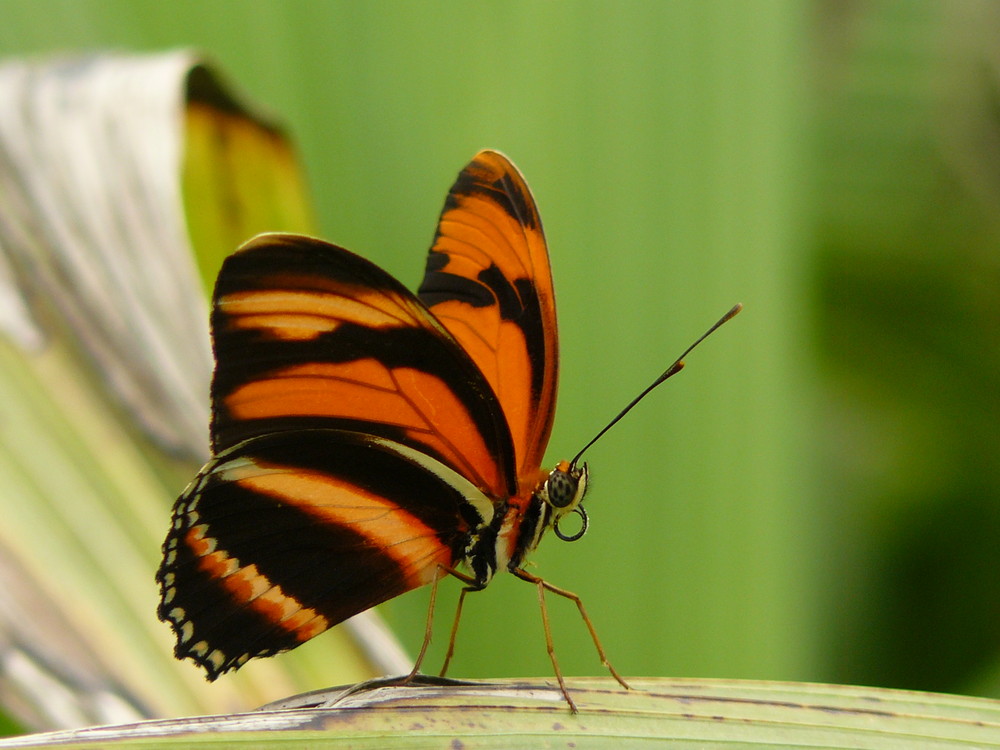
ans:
(520, 523)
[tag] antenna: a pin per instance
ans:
(675, 368)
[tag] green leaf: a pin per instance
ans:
(520, 713)
(242, 164)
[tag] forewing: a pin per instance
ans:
(284, 536)
(307, 334)
(488, 281)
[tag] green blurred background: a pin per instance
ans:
(817, 497)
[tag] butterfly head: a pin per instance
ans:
(563, 493)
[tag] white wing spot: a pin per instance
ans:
(217, 658)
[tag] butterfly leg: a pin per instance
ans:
(442, 571)
(428, 626)
(542, 584)
(454, 625)
(549, 646)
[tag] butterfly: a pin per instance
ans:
(367, 441)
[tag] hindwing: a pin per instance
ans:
(285, 535)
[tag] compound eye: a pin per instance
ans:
(561, 488)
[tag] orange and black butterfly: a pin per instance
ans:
(366, 440)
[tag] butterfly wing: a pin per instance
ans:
(488, 282)
(360, 441)
(288, 534)
(309, 335)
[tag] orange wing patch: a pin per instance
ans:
(412, 544)
(303, 315)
